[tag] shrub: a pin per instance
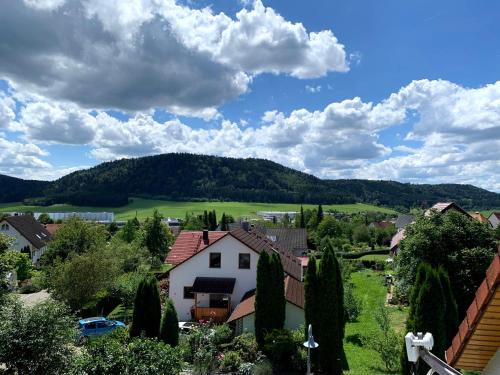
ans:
(222, 335)
(263, 368)
(28, 289)
(279, 347)
(231, 361)
(246, 346)
(169, 330)
(352, 305)
(246, 368)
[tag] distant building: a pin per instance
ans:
(403, 220)
(276, 215)
(479, 217)
(173, 224)
(396, 239)
(99, 217)
(494, 220)
(29, 234)
(443, 207)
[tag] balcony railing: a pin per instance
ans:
(216, 314)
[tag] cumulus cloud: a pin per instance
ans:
(7, 111)
(15, 157)
(141, 54)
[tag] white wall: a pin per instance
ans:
(21, 242)
(493, 367)
(198, 266)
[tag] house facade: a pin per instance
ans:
(29, 235)
(215, 274)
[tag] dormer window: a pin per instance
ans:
(5, 226)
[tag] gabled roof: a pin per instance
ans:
(30, 229)
(292, 239)
(479, 217)
(478, 336)
(396, 239)
(442, 207)
(189, 243)
(294, 293)
(496, 214)
(259, 242)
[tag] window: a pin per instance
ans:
(5, 226)
(188, 292)
(244, 261)
(101, 325)
(215, 260)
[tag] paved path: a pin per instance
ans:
(34, 298)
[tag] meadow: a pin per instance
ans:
(143, 208)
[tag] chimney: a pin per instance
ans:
(205, 236)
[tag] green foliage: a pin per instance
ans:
(329, 227)
(169, 330)
(353, 306)
(386, 340)
(312, 295)
(21, 262)
(451, 309)
(246, 346)
(263, 297)
(202, 350)
(77, 280)
(277, 287)
(147, 309)
(157, 236)
(36, 340)
(222, 335)
(279, 346)
(463, 247)
(230, 361)
(116, 354)
(330, 332)
(74, 236)
(263, 368)
(45, 219)
(130, 230)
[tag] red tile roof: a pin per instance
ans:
(189, 243)
(294, 293)
(484, 294)
(479, 217)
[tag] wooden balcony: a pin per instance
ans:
(215, 314)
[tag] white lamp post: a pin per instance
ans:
(310, 344)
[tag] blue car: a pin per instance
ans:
(93, 327)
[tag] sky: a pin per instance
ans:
(386, 90)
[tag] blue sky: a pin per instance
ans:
(406, 91)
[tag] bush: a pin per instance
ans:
(202, 350)
(263, 368)
(246, 346)
(230, 361)
(222, 335)
(28, 289)
(280, 347)
(352, 305)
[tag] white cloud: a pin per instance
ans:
(7, 111)
(15, 157)
(313, 89)
(143, 54)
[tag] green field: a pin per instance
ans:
(144, 208)
(369, 288)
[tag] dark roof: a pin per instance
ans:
(259, 242)
(293, 239)
(215, 285)
(477, 338)
(403, 220)
(30, 229)
(294, 293)
(496, 214)
(189, 243)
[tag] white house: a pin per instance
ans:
(494, 219)
(29, 235)
(214, 277)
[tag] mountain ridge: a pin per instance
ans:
(178, 176)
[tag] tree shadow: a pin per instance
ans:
(355, 339)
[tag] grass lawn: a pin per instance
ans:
(375, 257)
(144, 208)
(370, 289)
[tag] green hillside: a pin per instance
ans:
(145, 207)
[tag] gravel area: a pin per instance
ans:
(34, 298)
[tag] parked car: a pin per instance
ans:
(187, 327)
(97, 326)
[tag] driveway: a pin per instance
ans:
(34, 298)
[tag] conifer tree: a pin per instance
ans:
(331, 317)
(205, 219)
(320, 214)
(451, 309)
(302, 218)
(223, 222)
(169, 331)
(213, 222)
(278, 288)
(263, 297)
(147, 309)
(312, 302)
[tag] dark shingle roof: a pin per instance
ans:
(403, 220)
(30, 229)
(293, 239)
(259, 242)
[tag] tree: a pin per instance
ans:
(157, 236)
(147, 309)
(36, 340)
(169, 331)
(21, 262)
(278, 302)
(77, 280)
(462, 246)
(74, 236)
(5, 266)
(331, 314)
(320, 213)
(451, 309)
(45, 219)
(263, 296)
(302, 218)
(328, 227)
(130, 230)
(312, 301)
(223, 223)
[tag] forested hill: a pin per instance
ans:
(200, 177)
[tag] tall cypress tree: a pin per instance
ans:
(147, 309)
(223, 222)
(340, 306)
(263, 298)
(302, 218)
(205, 220)
(169, 331)
(331, 318)
(312, 303)
(320, 214)
(451, 309)
(278, 285)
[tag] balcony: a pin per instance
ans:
(215, 314)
